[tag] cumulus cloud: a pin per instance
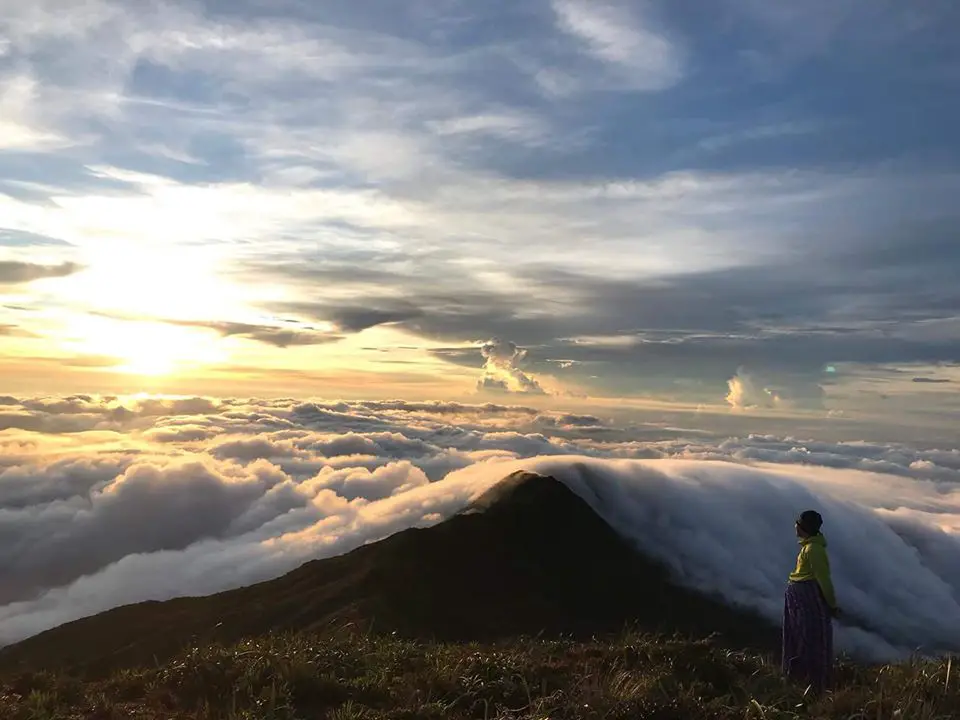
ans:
(502, 372)
(747, 389)
(745, 392)
(182, 496)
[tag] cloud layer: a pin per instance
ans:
(647, 195)
(106, 501)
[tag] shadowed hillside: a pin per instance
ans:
(528, 558)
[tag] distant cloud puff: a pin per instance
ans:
(749, 390)
(502, 372)
(745, 392)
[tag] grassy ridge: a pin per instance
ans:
(536, 562)
(302, 676)
(453, 604)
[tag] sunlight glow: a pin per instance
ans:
(144, 348)
(163, 283)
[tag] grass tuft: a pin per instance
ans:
(366, 677)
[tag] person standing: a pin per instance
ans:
(809, 608)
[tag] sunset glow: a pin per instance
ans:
(143, 348)
(285, 279)
(608, 205)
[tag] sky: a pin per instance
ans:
(104, 502)
(734, 207)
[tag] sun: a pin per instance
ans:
(142, 347)
(151, 357)
(144, 281)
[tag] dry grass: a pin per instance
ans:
(301, 677)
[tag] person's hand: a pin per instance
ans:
(835, 612)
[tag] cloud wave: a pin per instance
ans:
(106, 501)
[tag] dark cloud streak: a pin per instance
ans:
(791, 317)
(280, 337)
(14, 272)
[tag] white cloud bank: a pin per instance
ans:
(103, 504)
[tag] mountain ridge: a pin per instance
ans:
(527, 557)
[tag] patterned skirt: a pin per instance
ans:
(807, 635)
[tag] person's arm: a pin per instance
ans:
(820, 564)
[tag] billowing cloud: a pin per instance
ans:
(187, 496)
(746, 393)
(747, 390)
(502, 371)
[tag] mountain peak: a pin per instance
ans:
(522, 492)
(528, 557)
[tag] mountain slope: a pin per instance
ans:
(529, 557)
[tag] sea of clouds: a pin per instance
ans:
(107, 501)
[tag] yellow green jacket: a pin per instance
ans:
(813, 564)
